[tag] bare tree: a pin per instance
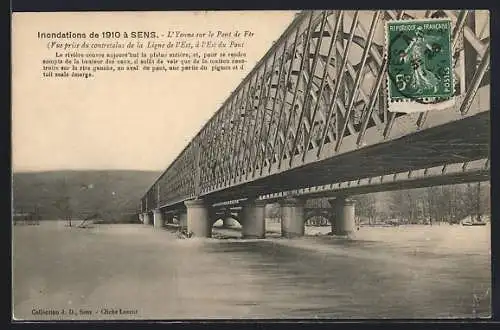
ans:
(366, 206)
(65, 203)
(403, 205)
(64, 208)
(478, 202)
(431, 193)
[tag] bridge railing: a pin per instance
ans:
(319, 91)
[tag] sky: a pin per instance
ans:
(131, 121)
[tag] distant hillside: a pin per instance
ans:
(109, 193)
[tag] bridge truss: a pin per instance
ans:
(319, 94)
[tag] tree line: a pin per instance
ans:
(451, 204)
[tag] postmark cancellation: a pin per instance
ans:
(420, 67)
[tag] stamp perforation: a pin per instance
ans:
(434, 101)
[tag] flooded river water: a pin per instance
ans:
(137, 272)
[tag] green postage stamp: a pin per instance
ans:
(420, 66)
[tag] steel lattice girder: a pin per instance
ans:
(319, 93)
(473, 171)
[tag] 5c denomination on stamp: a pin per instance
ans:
(420, 66)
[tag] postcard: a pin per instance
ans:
(211, 165)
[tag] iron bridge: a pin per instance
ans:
(313, 113)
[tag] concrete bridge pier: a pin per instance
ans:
(183, 220)
(253, 219)
(292, 217)
(226, 222)
(344, 216)
(198, 218)
(145, 218)
(157, 218)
